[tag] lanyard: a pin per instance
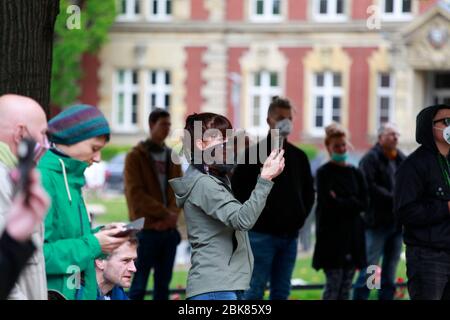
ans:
(444, 169)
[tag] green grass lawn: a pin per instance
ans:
(116, 211)
(303, 270)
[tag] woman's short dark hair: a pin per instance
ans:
(208, 121)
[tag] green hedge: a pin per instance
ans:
(110, 151)
(311, 150)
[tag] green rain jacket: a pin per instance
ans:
(70, 247)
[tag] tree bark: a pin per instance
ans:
(26, 41)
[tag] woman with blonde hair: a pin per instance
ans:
(342, 196)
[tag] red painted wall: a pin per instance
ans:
(424, 5)
(235, 10)
(234, 54)
(295, 86)
(359, 96)
(359, 9)
(90, 82)
(297, 9)
(194, 82)
(198, 10)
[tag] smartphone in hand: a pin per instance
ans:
(132, 227)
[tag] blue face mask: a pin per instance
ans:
(339, 157)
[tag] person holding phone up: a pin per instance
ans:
(22, 117)
(217, 223)
(16, 246)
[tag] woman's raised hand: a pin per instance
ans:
(273, 165)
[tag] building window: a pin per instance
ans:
(264, 85)
(441, 88)
(265, 10)
(126, 100)
(329, 10)
(128, 10)
(158, 90)
(160, 10)
(395, 10)
(326, 99)
(385, 98)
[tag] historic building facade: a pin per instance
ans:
(358, 62)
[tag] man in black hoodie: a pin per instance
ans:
(273, 239)
(422, 202)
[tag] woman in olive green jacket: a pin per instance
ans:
(217, 223)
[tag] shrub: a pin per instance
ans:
(311, 150)
(111, 150)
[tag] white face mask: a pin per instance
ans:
(285, 127)
(445, 133)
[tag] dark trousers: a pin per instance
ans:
(386, 243)
(428, 272)
(339, 283)
(156, 251)
(274, 262)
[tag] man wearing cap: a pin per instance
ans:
(70, 248)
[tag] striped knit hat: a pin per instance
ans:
(78, 123)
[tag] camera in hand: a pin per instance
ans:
(25, 154)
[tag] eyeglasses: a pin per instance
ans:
(445, 121)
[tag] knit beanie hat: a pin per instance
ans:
(78, 123)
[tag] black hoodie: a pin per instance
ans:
(292, 196)
(421, 192)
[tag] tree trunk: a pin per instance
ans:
(26, 41)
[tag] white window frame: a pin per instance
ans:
(328, 91)
(331, 15)
(128, 89)
(267, 16)
(162, 15)
(398, 14)
(265, 92)
(385, 92)
(439, 94)
(160, 89)
(130, 14)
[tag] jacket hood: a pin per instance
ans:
(183, 186)
(71, 169)
(424, 126)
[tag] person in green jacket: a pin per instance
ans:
(70, 246)
(217, 223)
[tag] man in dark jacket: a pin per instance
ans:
(422, 201)
(273, 239)
(383, 233)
